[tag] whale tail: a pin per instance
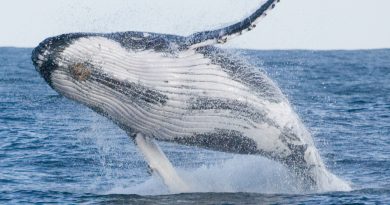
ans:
(221, 36)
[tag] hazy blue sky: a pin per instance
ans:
(309, 24)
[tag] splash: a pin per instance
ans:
(329, 182)
(251, 174)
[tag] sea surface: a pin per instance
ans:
(53, 150)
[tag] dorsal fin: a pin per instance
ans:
(222, 35)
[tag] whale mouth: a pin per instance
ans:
(43, 60)
(38, 57)
(43, 65)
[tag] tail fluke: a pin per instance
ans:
(222, 35)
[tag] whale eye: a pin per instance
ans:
(80, 71)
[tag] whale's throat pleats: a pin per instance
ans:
(185, 96)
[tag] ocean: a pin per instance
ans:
(53, 150)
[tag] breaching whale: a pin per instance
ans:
(182, 90)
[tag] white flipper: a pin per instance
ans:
(221, 36)
(160, 164)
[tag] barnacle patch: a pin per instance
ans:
(80, 71)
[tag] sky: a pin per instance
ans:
(293, 24)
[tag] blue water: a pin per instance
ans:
(54, 150)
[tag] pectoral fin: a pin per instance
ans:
(159, 164)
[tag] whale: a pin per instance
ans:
(184, 90)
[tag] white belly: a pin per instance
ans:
(202, 97)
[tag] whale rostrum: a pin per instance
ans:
(182, 90)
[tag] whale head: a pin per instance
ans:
(66, 72)
(42, 58)
(93, 70)
(47, 58)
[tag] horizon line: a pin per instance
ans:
(260, 49)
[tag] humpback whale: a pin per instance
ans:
(181, 89)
